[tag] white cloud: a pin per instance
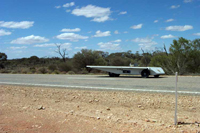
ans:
(45, 45)
(145, 43)
(118, 40)
(4, 33)
(167, 36)
(99, 14)
(17, 48)
(139, 26)
(179, 28)
(187, 1)
(125, 31)
(29, 40)
(155, 21)
(116, 32)
(68, 10)
(196, 34)
(84, 47)
(69, 4)
(15, 25)
(169, 20)
(122, 13)
(71, 30)
(142, 40)
(109, 46)
(71, 36)
(102, 34)
(175, 6)
(51, 45)
(57, 7)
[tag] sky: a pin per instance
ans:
(34, 27)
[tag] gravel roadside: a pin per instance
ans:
(38, 109)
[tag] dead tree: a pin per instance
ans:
(61, 52)
(165, 49)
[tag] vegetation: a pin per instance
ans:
(183, 56)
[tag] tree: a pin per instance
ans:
(180, 51)
(87, 57)
(61, 52)
(3, 57)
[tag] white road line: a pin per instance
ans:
(102, 88)
(91, 78)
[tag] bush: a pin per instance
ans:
(4, 71)
(71, 72)
(24, 71)
(52, 67)
(84, 71)
(32, 69)
(56, 72)
(64, 67)
(42, 70)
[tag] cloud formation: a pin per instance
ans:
(196, 34)
(71, 37)
(17, 48)
(175, 6)
(109, 46)
(179, 28)
(122, 13)
(17, 25)
(4, 33)
(169, 20)
(139, 26)
(84, 47)
(145, 43)
(71, 30)
(155, 21)
(116, 32)
(69, 4)
(102, 34)
(118, 40)
(29, 40)
(99, 14)
(167, 36)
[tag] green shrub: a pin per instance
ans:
(56, 72)
(4, 71)
(71, 72)
(52, 67)
(84, 71)
(32, 69)
(64, 67)
(24, 71)
(14, 72)
(42, 70)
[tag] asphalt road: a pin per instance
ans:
(186, 84)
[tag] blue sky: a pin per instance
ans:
(30, 28)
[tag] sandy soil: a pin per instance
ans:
(47, 110)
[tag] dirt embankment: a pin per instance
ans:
(37, 109)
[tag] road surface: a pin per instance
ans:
(186, 84)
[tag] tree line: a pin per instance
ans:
(183, 56)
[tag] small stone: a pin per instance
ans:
(108, 108)
(109, 117)
(71, 112)
(96, 100)
(98, 118)
(147, 120)
(57, 101)
(90, 101)
(153, 121)
(139, 106)
(40, 107)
